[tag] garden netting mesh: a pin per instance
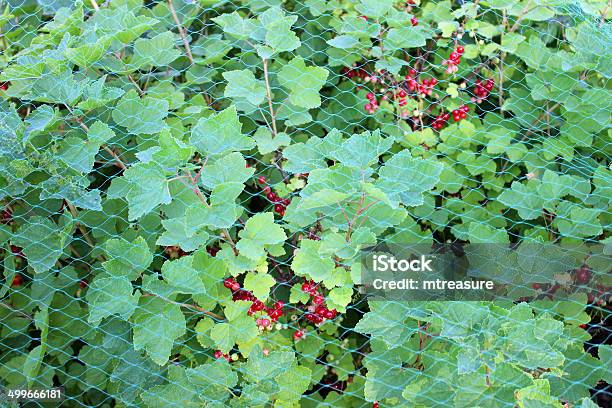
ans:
(191, 192)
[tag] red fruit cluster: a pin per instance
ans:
(454, 60)
(6, 216)
(372, 105)
(583, 275)
(17, 281)
(424, 88)
(274, 312)
(354, 73)
(280, 204)
(317, 311)
(440, 121)
(219, 354)
(460, 113)
(482, 89)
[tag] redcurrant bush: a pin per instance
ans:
(188, 188)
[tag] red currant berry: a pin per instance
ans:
(261, 180)
(536, 286)
(583, 275)
(460, 49)
(17, 281)
(83, 283)
(414, 21)
(298, 334)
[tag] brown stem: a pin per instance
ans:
(94, 4)
(181, 31)
(269, 97)
(105, 147)
(80, 226)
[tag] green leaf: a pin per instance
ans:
(157, 324)
(183, 277)
(279, 36)
(220, 133)
(374, 8)
(242, 84)
(259, 233)
(127, 258)
(524, 198)
(303, 83)
(147, 187)
(236, 26)
(268, 144)
(178, 232)
(406, 37)
(362, 150)
(42, 242)
(138, 115)
(158, 51)
(259, 284)
(110, 295)
(404, 178)
(309, 262)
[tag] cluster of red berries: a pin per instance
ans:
(317, 311)
(440, 121)
(280, 204)
(6, 216)
(460, 113)
(482, 89)
(425, 88)
(274, 312)
(361, 75)
(583, 275)
(454, 60)
(219, 354)
(372, 105)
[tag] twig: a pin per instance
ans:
(604, 13)
(181, 31)
(131, 79)
(269, 96)
(520, 17)
(105, 147)
(95, 5)
(187, 306)
(75, 215)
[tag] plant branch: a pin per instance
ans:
(181, 31)
(104, 146)
(269, 97)
(187, 306)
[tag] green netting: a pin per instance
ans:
(188, 188)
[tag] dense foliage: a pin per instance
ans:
(186, 186)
